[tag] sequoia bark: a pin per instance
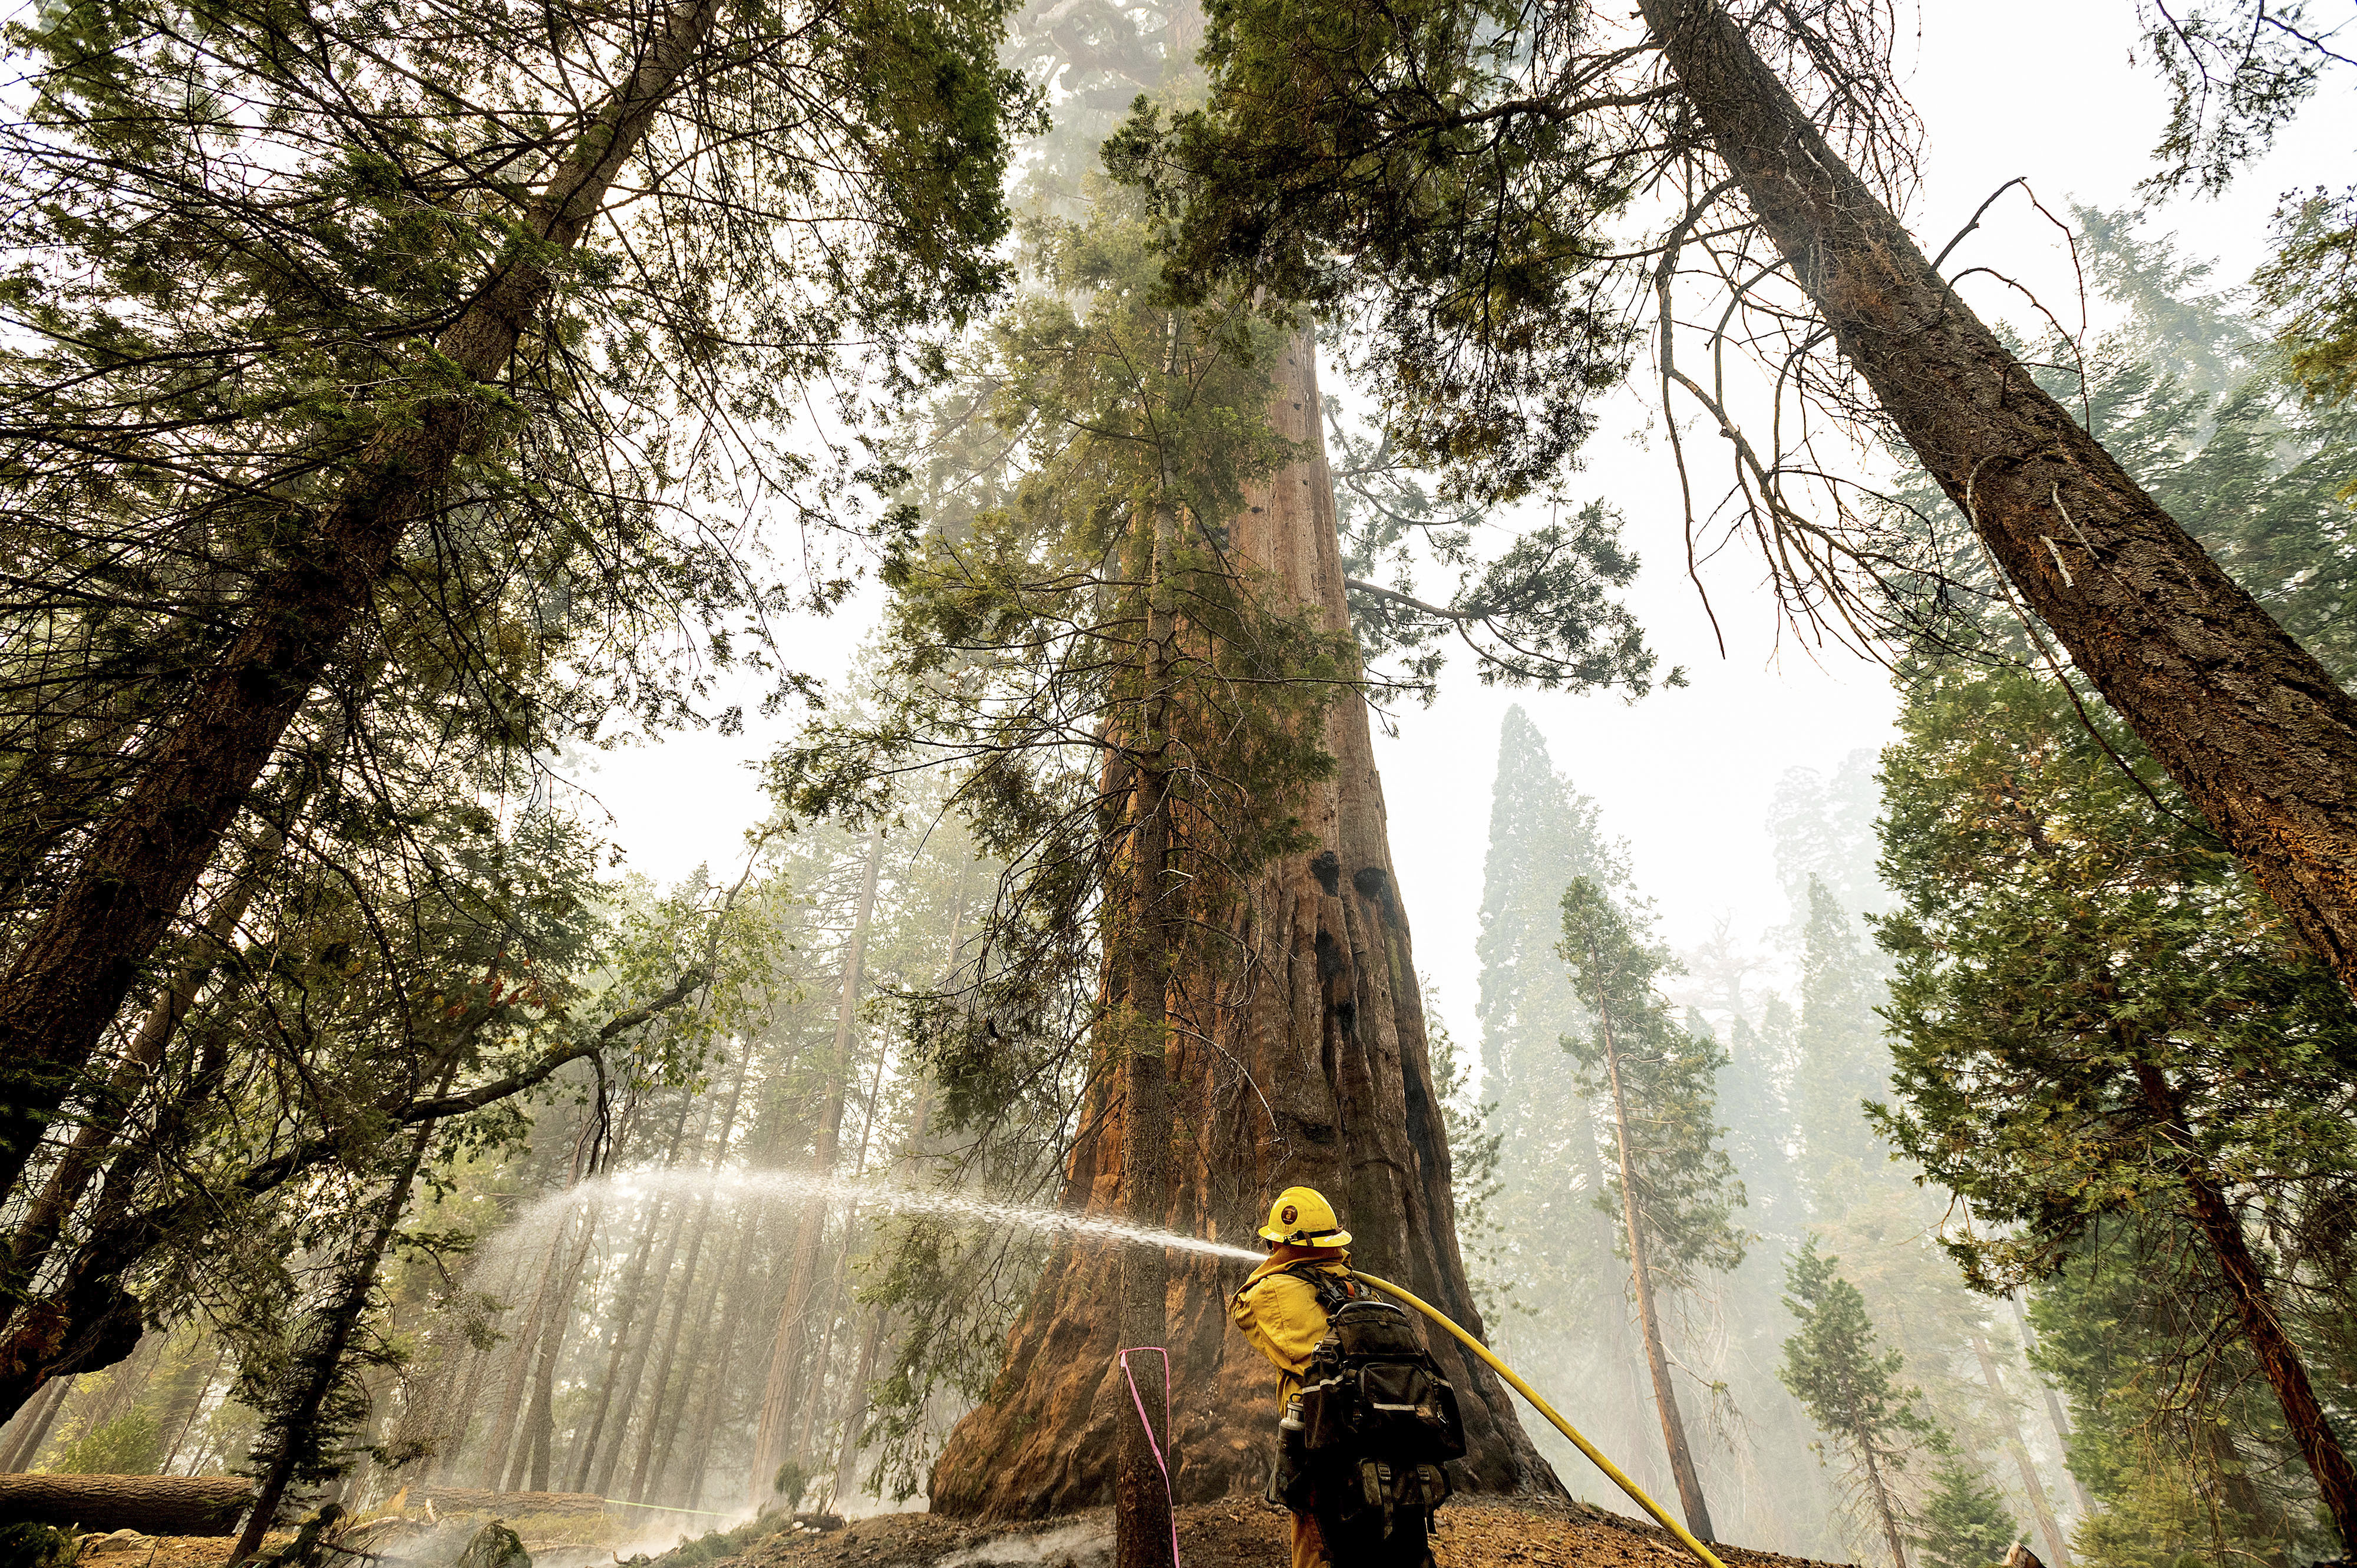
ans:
(2259, 735)
(1315, 1071)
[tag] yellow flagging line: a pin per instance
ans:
(1702, 1553)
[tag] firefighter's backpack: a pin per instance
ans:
(1372, 1405)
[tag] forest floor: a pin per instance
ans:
(1237, 1532)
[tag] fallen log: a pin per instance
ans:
(152, 1505)
(503, 1505)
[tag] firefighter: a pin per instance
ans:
(1280, 1314)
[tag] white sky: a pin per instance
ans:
(2040, 88)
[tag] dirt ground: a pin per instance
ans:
(125, 1550)
(1239, 1532)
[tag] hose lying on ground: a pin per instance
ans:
(1702, 1553)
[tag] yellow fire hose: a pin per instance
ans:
(1702, 1554)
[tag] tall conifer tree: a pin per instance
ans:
(1557, 1246)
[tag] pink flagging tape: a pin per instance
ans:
(1139, 1401)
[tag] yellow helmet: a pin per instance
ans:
(1302, 1217)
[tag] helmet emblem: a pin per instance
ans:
(1287, 1214)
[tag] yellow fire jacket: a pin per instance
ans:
(1280, 1312)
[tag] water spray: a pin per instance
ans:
(872, 1192)
(901, 1198)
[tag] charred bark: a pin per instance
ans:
(1316, 1072)
(2260, 736)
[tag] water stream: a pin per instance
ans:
(798, 1187)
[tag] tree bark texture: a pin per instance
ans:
(71, 1175)
(72, 973)
(2279, 1359)
(2258, 734)
(2031, 1484)
(1880, 1489)
(770, 1439)
(324, 1365)
(1691, 1501)
(1316, 1072)
(1154, 930)
(152, 1505)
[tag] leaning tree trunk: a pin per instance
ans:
(2032, 1485)
(299, 1419)
(2254, 1307)
(1649, 1312)
(1317, 1072)
(32, 1423)
(2262, 738)
(67, 1181)
(68, 977)
(2055, 1416)
(1884, 1509)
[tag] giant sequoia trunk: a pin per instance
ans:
(1316, 1073)
(2262, 738)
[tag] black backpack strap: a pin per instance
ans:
(1332, 1290)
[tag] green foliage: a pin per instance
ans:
(1539, 613)
(2237, 71)
(2311, 285)
(1077, 491)
(130, 1445)
(1686, 1189)
(1965, 1522)
(494, 1546)
(250, 243)
(34, 1546)
(2174, 1432)
(1848, 1385)
(2092, 1000)
(1096, 464)
(1359, 156)
(792, 1480)
(1842, 1063)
